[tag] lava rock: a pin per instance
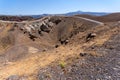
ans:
(90, 36)
(83, 54)
(45, 28)
(56, 46)
(64, 41)
(32, 37)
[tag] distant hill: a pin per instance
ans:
(39, 16)
(89, 13)
(73, 13)
(99, 16)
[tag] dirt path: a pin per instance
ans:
(98, 22)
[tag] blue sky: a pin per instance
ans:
(28, 7)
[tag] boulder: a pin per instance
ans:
(45, 28)
(90, 36)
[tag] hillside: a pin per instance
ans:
(15, 18)
(60, 48)
(106, 18)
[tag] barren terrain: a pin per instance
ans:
(60, 48)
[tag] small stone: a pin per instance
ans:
(32, 50)
(44, 50)
(56, 46)
(83, 54)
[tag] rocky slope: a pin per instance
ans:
(59, 48)
(114, 17)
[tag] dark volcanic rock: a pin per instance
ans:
(83, 54)
(45, 28)
(90, 36)
(13, 77)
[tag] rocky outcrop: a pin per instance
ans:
(37, 27)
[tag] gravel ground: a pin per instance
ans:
(106, 67)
